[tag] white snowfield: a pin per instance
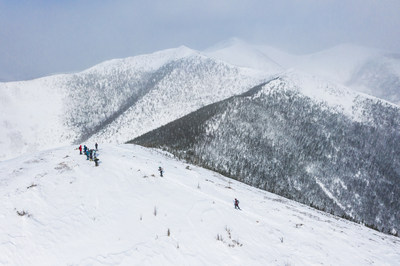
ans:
(57, 208)
(31, 116)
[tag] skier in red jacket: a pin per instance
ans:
(237, 204)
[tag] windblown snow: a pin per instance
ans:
(57, 208)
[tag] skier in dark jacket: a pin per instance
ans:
(161, 171)
(237, 204)
(96, 160)
(96, 146)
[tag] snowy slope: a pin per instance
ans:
(120, 213)
(379, 76)
(186, 85)
(302, 138)
(116, 100)
(336, 64)
(31, 116)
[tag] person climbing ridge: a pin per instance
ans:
(80, 149)
(96, 146)
(96, 160)
(237, 204)
(161, 171)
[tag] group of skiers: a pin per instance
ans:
(91, 154)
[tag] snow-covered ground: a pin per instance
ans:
(120, 213)
(31, 116)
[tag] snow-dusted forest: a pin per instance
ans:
(276, 138)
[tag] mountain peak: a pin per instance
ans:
(146, 61)
(234, 41)
(237, 52)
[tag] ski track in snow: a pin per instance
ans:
(119, 214)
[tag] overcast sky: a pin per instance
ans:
(41, 37)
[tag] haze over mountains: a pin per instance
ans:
(372, 71)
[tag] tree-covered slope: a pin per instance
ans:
(338, 157)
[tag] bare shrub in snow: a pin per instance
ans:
(23, 213)
(230, 242)
(31, 186)
(299, 225)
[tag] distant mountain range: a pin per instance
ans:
(367, 70)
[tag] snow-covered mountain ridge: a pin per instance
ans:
(115, 100)
(57, 208)
(123, 98)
